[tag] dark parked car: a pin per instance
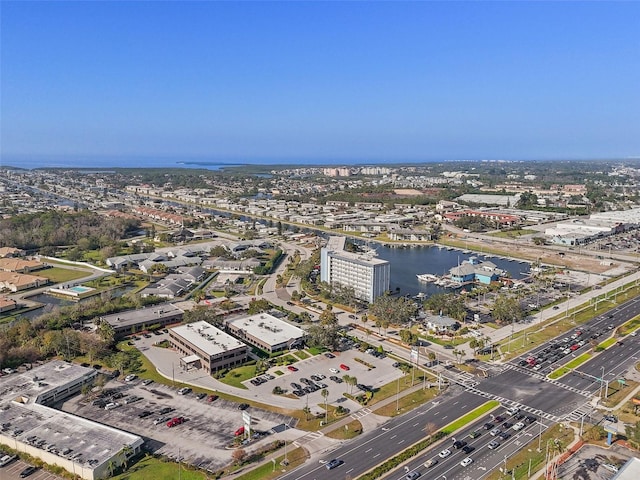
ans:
(243, 406)
(27, 471)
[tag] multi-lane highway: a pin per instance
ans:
(393, 437)
(485, 448)
(516, 384)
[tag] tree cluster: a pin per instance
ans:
(86, 229)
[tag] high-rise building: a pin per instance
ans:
(367, 275)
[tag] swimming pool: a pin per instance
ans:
(80, 289)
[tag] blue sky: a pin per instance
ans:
(327, 80)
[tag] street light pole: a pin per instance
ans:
(398, 395)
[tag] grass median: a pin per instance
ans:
(575, 363)
(630, 326)
(470, 417)
(419, 447)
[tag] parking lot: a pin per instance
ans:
(320, 365)
(200, 440)
(594, 463)
(12, 472)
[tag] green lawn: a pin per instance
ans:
(59, 274)
(316, 350)
(471, 416)
(391, 388)
(407, 403)
(295, 457)
(153, 468)
(302, 355)
(350, 430)
(238, 375)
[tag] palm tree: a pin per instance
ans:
(432, 357)
(126, 452)
(111, 466)
(325, 395)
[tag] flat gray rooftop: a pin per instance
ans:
(207, 338)
(41, 379)
(143, 315)
(267, 328)
(75, 438)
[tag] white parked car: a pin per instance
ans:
(518, 426)
(334, 370)
(130, 378)
(111, 405)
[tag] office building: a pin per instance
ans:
(266, 332)
(207, 347)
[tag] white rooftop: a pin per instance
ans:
(267, 328)
(89, 444)
(207, 338)
(35, 382)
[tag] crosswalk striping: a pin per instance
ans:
(360, 413)
(309, 437)
(548, 380)
(506, 401)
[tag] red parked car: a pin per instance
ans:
(239, 431)
(344, 367)
(292, 368)
(175, 421)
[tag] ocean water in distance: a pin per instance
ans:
(106, 162)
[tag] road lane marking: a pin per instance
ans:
(367, 451)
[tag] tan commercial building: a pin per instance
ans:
(266, 332)
(207, 347)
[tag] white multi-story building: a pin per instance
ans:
(367, 275)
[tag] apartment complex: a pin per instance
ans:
(367, 275)
(207, 347)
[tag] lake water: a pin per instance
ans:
(406, 263)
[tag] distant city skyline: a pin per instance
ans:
(323, 82)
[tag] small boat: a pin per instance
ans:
(427, 277)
